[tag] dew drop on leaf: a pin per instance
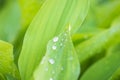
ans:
(55, 39)
(54, 47)
(51, 61)
(51, 78)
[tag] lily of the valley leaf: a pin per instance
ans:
(50, 21)
(60, 61)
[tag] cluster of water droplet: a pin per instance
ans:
(54, 48)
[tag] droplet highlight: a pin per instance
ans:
(51, 61)
(54, 47)
(55, 39)
(51, 78)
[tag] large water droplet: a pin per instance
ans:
(51, 61)
(54, 47)
(55, 39)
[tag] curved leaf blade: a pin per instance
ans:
(104, 69)
(7, 66)
(50, 21)
(90, 47)
(60, 61)
(29, 9)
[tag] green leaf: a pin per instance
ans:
(29, 9)
(49, 22)
(79, 38)
(103, 69)
(60, 61)
(116, 75)
(94, 48)
(7, 66)
(109, 11)
(101, 41)
(9, 21)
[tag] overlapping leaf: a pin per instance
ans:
(104, 69)
(50, 21)
(29, 9)
(7, 66)
(60, 61)
(104, 39)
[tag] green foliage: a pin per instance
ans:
(60, 61)
(103, 69)
(63, 40)
(7, 66)
(29, 9)
(62, 15)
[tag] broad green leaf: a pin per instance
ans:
(101, 41)
(9, 21)
(29, 9)
(89, 49)
(90, 25)
(116, 75)
(49, 22)
(2, 3)
(2, 77)
(60, 61)
(109, 11)
(79, 38)
(103, 69)
(115, 49)
(7, 66)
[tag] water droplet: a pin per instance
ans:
(55, 39)
(54, 47)
(51, 61)
(51, 78)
